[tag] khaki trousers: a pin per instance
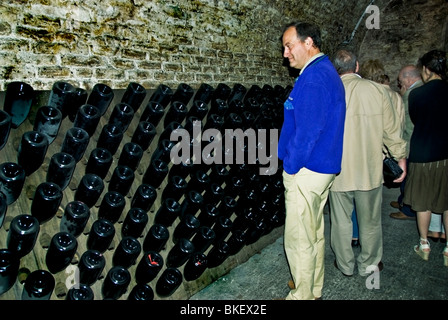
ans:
(306, 194)
(368, 211)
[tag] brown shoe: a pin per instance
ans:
(395, 204)
(400, 216)
(291, 285)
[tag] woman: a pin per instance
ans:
(426, 189)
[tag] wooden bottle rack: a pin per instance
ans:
(64, 279)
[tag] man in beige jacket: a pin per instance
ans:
(371, 122)
(409, 78)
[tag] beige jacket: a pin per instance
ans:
(371, 122)
(408, 125)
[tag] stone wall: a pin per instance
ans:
(408, 29)
(195, 41)
(158, 41)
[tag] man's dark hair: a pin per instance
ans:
(305, 30)
(435, 61)
(345, 61)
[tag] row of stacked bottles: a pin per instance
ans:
(213, 209)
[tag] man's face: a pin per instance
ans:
(294, 49)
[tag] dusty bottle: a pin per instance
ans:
(222, 91)
(75, 218)
(144, 134)
(144, 197)
(91, 265)
(110, 138)
(75, 142)
(204, 93)
(134, 223)
(121, 179)
(61, 251)
(99, 163)
(9, 267)
(33, 145)
(186, 228)
(46, 201)
(61, 168)
(193, 202)
(39, 285)
(22, 234)
(208, 215)
(199, 109)
(3, 208)
(180, 253)
(134, 95)
(61, 96)
(121, 116)
(141, 291)
(162, 95)
(87, 118)
(126, 252)
(115, 283)
(155, 173)
(89, 189)
(236, 241)
(213, 194)
(80, 292)
(48, 121)
(101, 235)
(12, 179)
(156, 238)
(175, 188)
(222, 228)
(203, 238)
(112, 206)
(148, 267)
(195, 266)
(5, 127)
(79, 98)
(168, 282)
(19, 97)
(183, 93)
(101, 97)
(218, 254)
(130, 155)
(153, 113)
(177, 113)
(168, 212)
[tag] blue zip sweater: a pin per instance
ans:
(314, 116)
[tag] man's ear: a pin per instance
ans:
(357, 67)
(309, 42)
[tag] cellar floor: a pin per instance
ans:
(405, 275)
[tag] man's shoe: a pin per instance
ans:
(400, 216)
(336, 266)
(395, 204)
(291, 285)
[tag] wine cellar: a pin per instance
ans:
(92, 206)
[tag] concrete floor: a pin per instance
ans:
(405, 275)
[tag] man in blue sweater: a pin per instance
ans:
(310, 147)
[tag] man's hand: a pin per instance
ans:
(402, 165)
